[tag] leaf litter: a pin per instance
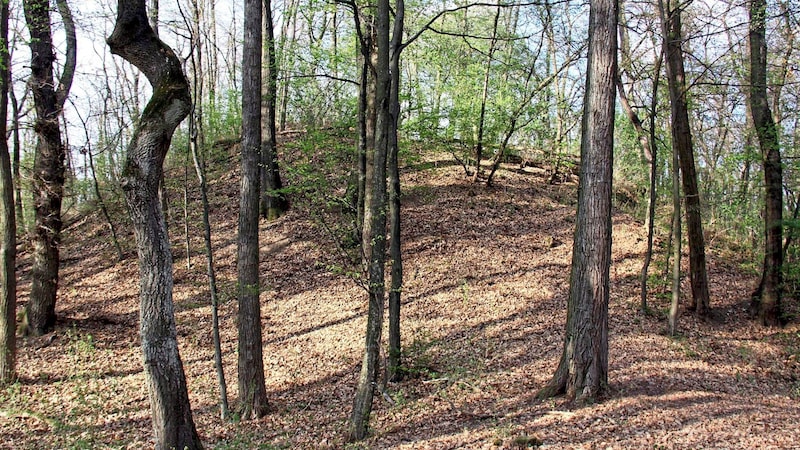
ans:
(484, 307)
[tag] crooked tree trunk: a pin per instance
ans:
(273, 201)
(682, 144)
(582, 372)
(134, 40)
(48, 162)
(252, 387)
(768, 297)
(362, 403)
(8, 227)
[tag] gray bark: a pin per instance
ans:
(134, 40)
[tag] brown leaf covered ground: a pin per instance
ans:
(486, 279)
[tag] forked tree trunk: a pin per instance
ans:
(768, 297)
(8, 227)
(48, 162)
(682, 144)
(582, 372)
(134, 40)
(252, 387)
(362, 404)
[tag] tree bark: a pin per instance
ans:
(8, 227)
(134, 40)
(252, 387)
(682, 144)
(582, 372)
(48, 163)
(362, 404)
(770, 293)
(273, 201)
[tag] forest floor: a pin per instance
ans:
(484, 307)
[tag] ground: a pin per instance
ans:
(484, 309)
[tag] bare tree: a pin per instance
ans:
(134, 40)
(582, 372)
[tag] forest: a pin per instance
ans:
(369, 224)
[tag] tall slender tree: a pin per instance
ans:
(582, 372)
(767, 299)
(273, 201)
(393, 164)
(48, 161)
(134, 40)
(682, 144)
(376, 240)
(252, 387)
(8, 227)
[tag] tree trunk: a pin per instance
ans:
(17, 178)
(676, 241)
(582, 372)
(771, 291)
(273, 201)
(484, 98)
(48, 163)
(8, 227)
(396, 288)
(195, 139)
(370, 133)
(682, 144)
(134, 40)
(362, 404)
(647, 141)
(252, 387)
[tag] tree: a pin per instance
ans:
(682, 145)
(252, 387)
(195, 138)
(48, 164)
(273, 201)
(134, 40)
(582, 372)
(8, 227)
(395, 251)
(767, 299)
(376, 239)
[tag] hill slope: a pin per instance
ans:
(486, 278)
